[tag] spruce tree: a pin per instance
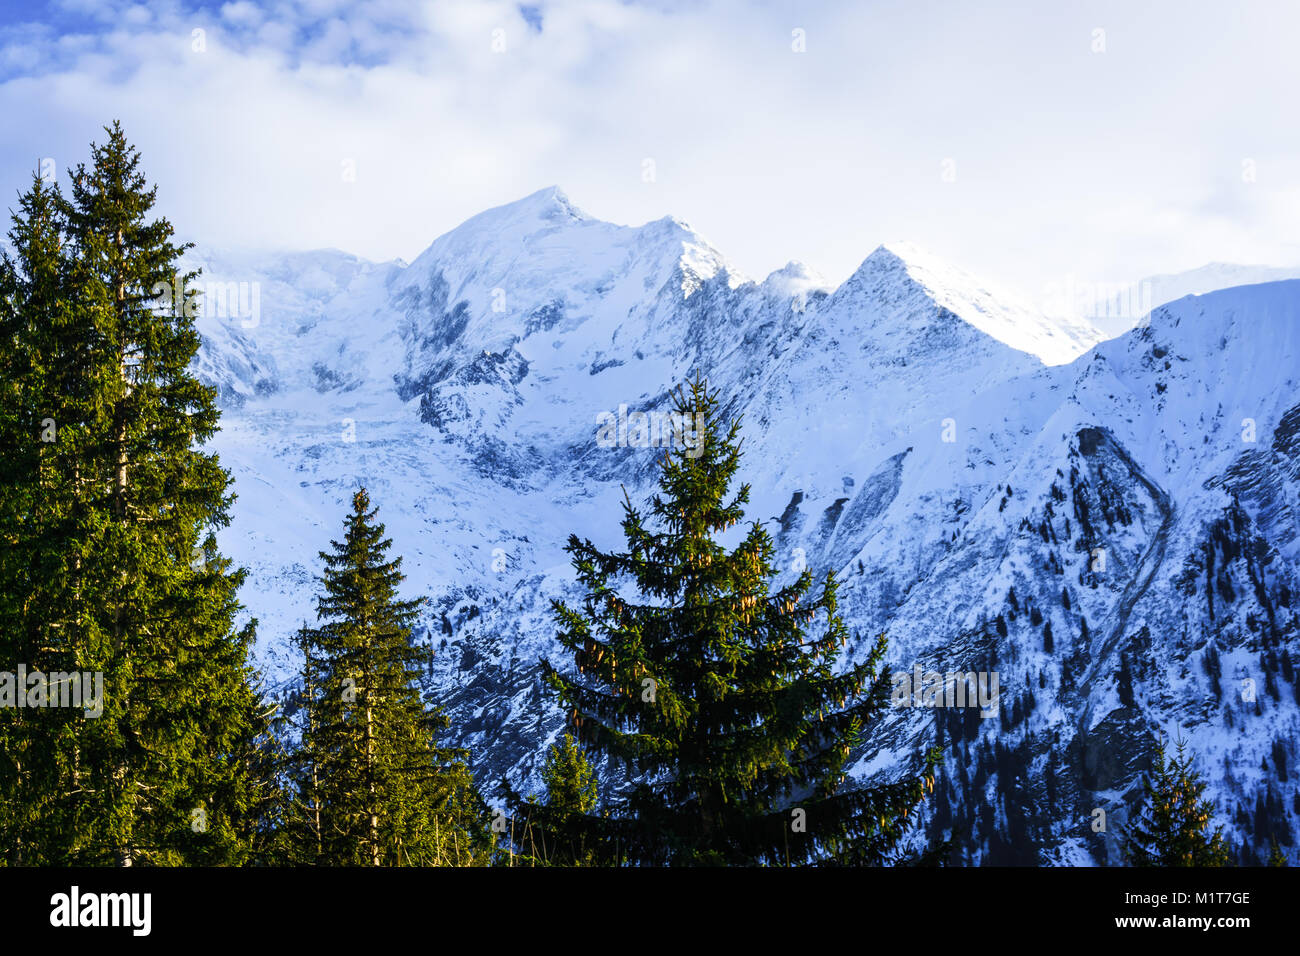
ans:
(114, 513)
(571, 788)
(570, 780)
(376, 788)
(1171, 823)
(1275, 855)
(719, 691)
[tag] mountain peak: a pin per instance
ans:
(507, 225)
(994, 311)
(550, 204)
(897, 250)
(921, 265)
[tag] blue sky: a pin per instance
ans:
(1027, 142)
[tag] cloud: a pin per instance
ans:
(376, 127)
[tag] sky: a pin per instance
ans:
(1032, 144)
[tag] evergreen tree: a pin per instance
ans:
(571, 788)
(376, 788)
(301, 833)
(718, 690)
(570, 780)
(1171, 823)
(1275, 855)
(113, 506)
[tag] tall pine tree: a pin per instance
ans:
(375, 787)
(719, 691)
(114, 505)
(1171, 826)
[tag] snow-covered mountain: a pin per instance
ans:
(1213, 277)
(1110, 527)
(1116, 308)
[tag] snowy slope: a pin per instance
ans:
(1138, 516)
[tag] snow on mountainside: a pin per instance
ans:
(1120, 549)
(994, 312)
(1116, 536)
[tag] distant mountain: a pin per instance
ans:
(1213, 277)
(1110, 526)
(1116, 309)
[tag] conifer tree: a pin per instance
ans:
(376, 788)
(301, 834)
(1275, 855)
(571, 788)
(570, 780)
(718, 690)
(113, 506)
(1171, 824)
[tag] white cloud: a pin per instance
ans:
(1066, 161)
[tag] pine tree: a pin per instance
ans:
(301, 834)
(1171, 823)
(571, 788)
(570, 780)
(376, 788)
(719, 691)
(1275, 855)
(115, 513)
